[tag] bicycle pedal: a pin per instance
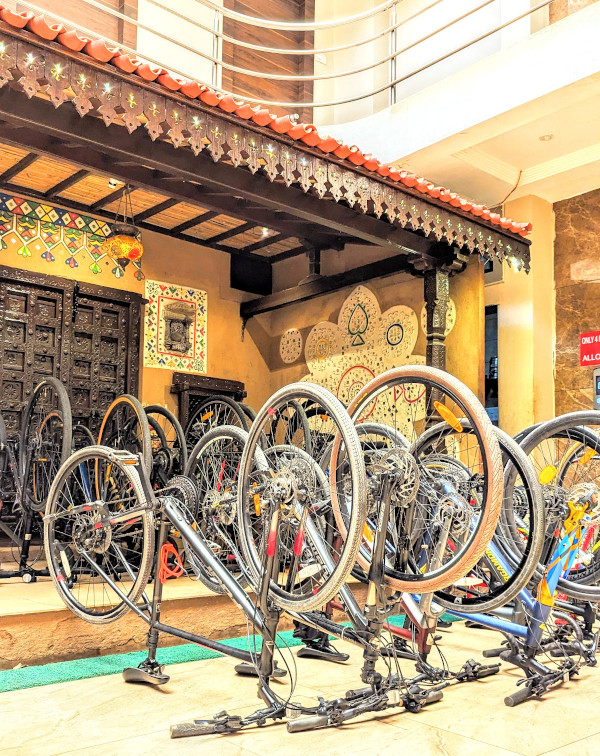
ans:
(245, 669)
(327, 654)
(137, 675)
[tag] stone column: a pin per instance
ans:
(437, 291)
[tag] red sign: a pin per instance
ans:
(589, 348)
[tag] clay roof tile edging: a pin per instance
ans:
(130, 64)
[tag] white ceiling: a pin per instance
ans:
(485, 162)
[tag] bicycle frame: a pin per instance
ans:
(24, 571)
(524, 641)
(539, 606)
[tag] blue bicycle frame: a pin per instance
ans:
(538, 607)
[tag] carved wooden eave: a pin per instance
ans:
(193, 151)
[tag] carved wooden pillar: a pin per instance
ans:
(437, 290)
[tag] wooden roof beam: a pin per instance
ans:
(156, 209)
(325, 285)
(19, 166)
(66, 183)
(287, 254)
(232, 232)
(112, 197)
(195, 221)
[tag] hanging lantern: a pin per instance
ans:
(125, 245)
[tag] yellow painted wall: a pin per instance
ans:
(526, 324)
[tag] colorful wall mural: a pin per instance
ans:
(59, 237)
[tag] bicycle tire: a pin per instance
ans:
(343, 567)
(64, 410)
(135, 406)
(248, 411)
(57, 564)
(492, 504)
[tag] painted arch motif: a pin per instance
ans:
(365, 342)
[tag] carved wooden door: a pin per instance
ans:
(99, 363)
(31, 339)
(86, 335)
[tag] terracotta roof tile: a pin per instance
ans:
(99, 50)
(72, 40)
(18, 20)
(38, 25)
(127, 63)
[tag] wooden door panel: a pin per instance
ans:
(100, 357)
(87, 336)
(31, 320)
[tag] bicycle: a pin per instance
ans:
(525, 638)
(29, 465)
(279, 531)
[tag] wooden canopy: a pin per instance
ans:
(202, 174)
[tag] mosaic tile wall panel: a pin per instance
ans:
(365, 342)
(62, 237)
(175, 328)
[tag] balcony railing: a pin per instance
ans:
(385, 36)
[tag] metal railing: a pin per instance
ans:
(390, 7)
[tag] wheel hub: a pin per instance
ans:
(222, 504)
(92, 531)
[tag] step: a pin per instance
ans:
(37, 628)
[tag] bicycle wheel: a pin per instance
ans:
(87, 534)
(82, 437)
(289, 425)
(441, 528)
(565, 453)
(174, 452)
(125, 427)
(291, 499)
(213, 411)
(45, 440)
(513, 554)
(214, 466)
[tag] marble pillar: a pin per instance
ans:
(577, 281)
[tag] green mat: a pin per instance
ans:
(98, 666)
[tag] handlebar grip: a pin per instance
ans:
(308, 723)
(358, 692)
(518, 697)
(187, 729)
(491, 652)
(487, 671)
